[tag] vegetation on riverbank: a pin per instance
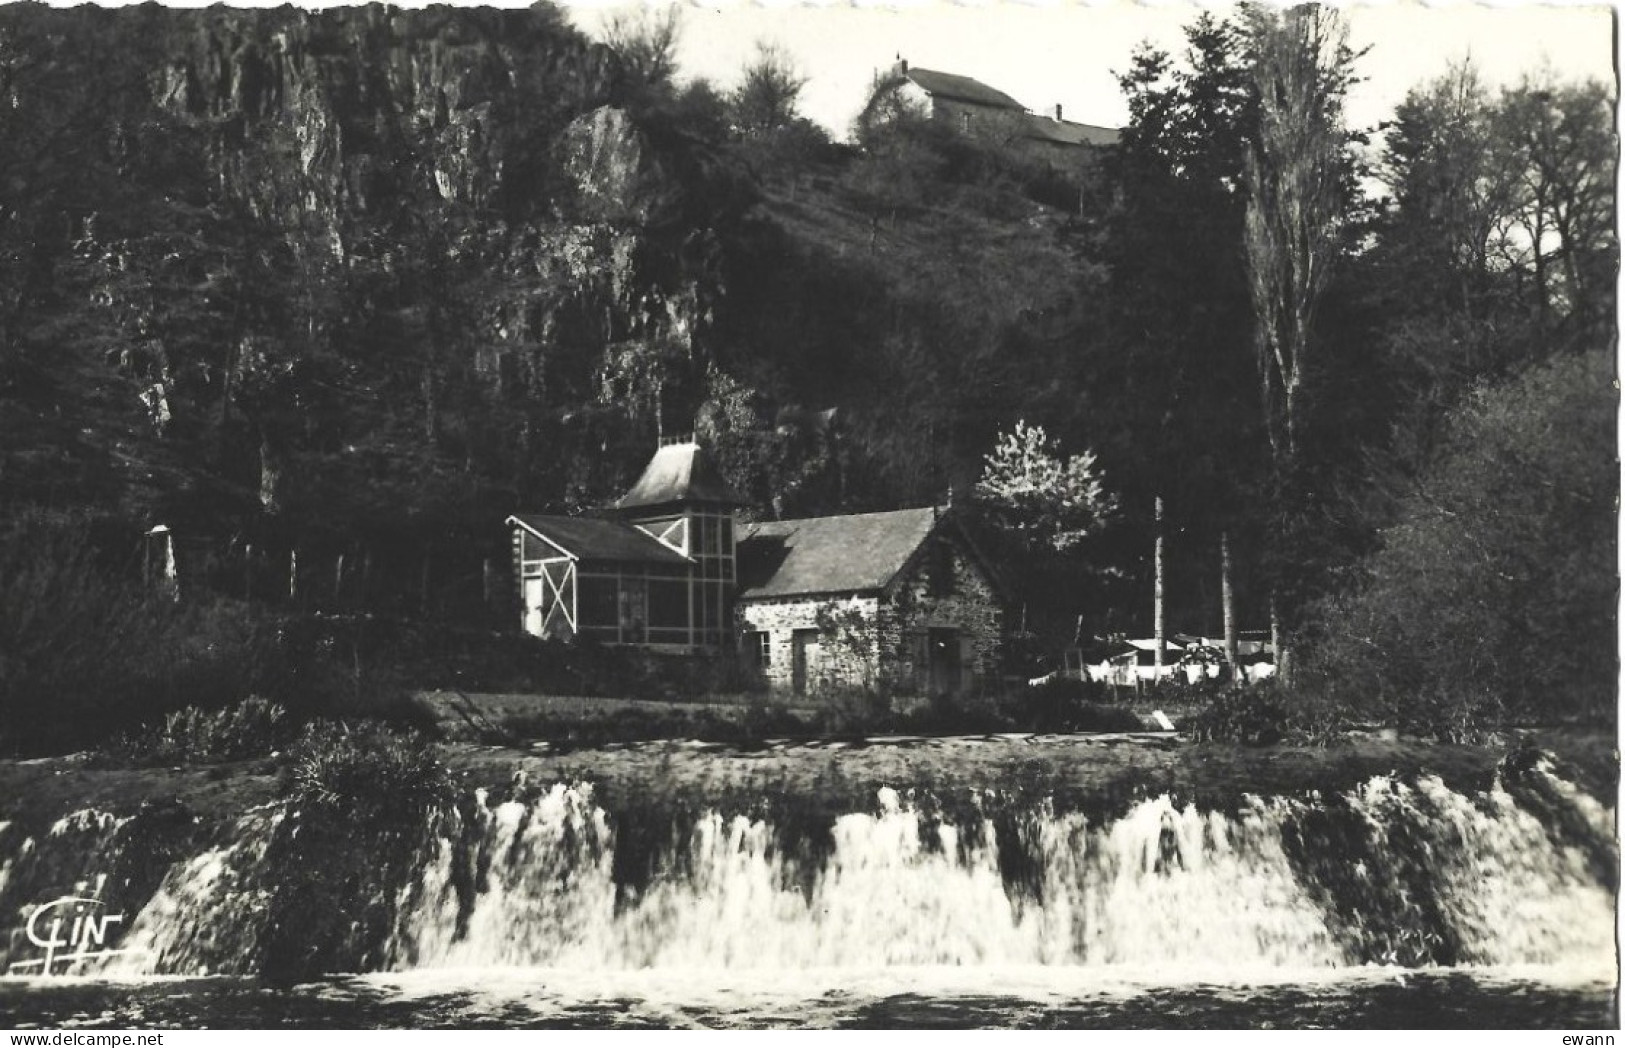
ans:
(220, 483)
(342, 826)
(35, 793)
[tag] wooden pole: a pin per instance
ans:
(1228, 599)
(1281, 668)
(1157, 611)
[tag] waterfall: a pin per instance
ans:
(1391, 872)
(1160, 885)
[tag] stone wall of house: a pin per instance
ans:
(881, 642)
(845, 654)
(992, 124)
(969, 605)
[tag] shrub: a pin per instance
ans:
(87, 654)
(1245, 715)
(251, 728)
(1064, 704)
(845, 709)
(366, 807)
(954, 715)
(1493, 594)
(366, 770)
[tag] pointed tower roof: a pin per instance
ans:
(679, 473)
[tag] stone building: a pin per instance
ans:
(900, 600)
(975, 109)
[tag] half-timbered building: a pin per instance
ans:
(655, 569)
(899, 599)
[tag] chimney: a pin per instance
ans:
(1057, 112)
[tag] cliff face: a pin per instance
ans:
(362, 90)
(383, 276)
(412, 258)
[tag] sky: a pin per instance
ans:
(1044, 53)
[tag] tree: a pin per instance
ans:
(1178, 361)
(1296, 175)
(1034, 491)
(1561, 150)
(1451, 196)
(646, 42)
(768, 90)
(1490, 253)
(1493, 593)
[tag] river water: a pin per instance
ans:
(1396, 904)
(945, 998)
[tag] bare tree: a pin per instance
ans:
(646, 41)
(1296, 176)
(1561, 151)
(1295, 171)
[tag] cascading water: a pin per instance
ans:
(1393, 872)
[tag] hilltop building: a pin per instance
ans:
(900, 598)
(973, 108)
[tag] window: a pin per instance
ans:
(668, 603)
(599, 601)
(759, 648)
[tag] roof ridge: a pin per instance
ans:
(842, 516)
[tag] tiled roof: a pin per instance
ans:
(679, 473)
(1068, 133)
(963, 88)
(857, 553)
(592, 538)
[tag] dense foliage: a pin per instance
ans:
(1494, 593)
(331, 293)
(251, 728)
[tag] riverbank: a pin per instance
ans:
(989, 851)
(1089, 771)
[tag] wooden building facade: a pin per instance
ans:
(656, 569)
(900, 599)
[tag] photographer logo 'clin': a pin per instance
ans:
(71, 929)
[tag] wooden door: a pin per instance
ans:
(946, 670)
(533, 606)
(804, 654)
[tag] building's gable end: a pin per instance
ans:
(516, 522)
(947, 530)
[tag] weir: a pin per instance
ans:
(1394, 872)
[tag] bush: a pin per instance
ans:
(954, 715)
(1246, 715)
(1064, 704)
(251, 728)
(1493, 595)
(366, 807)
(367, 771)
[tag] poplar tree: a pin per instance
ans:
(1296, 176)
